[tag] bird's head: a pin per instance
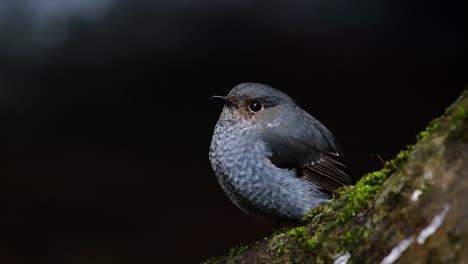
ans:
(252, 103)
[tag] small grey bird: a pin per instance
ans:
(273, 159)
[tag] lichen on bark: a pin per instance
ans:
(412, 210)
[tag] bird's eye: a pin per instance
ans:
(255, 106)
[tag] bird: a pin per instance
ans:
(272, 158)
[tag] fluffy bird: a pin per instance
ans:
(272, 158)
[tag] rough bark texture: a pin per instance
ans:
(414, 210)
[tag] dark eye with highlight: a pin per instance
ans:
(255, 106)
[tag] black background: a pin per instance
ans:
(106, 119)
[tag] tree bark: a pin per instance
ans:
(415, 210)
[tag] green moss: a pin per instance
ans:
(313, 213)
(431, 127)
(299, 233)
(277, 243)
(239, 250)
(312, 243)
(399, 160)
(342, 191)
(459, 116)
(280, 252)
(233, 252)
(353, 236)
(348, 237)
(361, 196)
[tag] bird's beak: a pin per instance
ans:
(222, 99)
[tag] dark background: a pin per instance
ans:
(106, 119)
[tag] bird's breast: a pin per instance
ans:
(236, 157)
(240, 161)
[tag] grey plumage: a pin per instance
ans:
(272, 158)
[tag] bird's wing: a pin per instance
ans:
(329, 172)
(306, 146)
